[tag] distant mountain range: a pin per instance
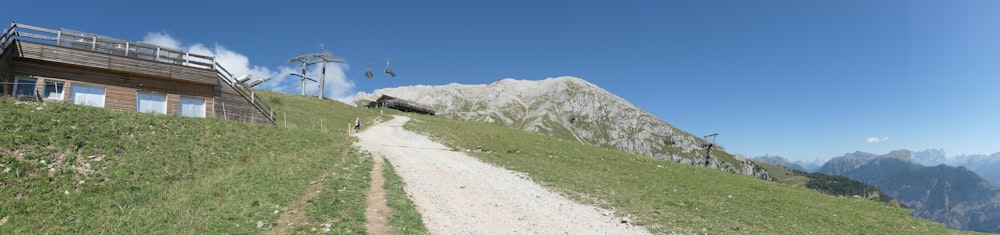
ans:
(794, 165)
(570, 108)
(987, 166)
(955, 196)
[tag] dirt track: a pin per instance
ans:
(458, 194)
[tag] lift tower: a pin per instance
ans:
(708, 144)
(323, 58)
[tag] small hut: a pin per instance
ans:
(399, 104)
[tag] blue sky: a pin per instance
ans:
(799, 79)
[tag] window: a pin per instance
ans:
(24, 87)
(53, 90)
(147, 102)
(87, 95)
(192, 107)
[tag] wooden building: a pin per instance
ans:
(399, 104)
(46, 65)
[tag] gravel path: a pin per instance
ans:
(458, 194)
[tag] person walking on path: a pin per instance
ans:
(357, 124)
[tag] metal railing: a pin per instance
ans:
(139, 50)
(104, 44)
(5, 38)
(245, 91)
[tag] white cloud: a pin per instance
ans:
(337, 86)
(876, 139)
(161, 39)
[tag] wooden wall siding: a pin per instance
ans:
(95, 76)
(210, 107)
(122, 64)
(124, 98)
(120, 94)
(172, 101)
(233, 106)
(116, 97)
(6, 75)
(123, 76)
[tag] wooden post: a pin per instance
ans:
(224, 114)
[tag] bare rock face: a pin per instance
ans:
(570, 108)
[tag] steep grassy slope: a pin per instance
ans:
(73, 169)
(668, 197)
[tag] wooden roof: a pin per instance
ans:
(399, 104)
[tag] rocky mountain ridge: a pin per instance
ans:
(571, 108)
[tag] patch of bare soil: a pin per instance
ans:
(377, 212)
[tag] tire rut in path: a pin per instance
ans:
(377, 212)
(458, 194)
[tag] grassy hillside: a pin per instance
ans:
(73, 169)
(783, 175)
(666, 197)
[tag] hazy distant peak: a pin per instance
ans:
(901, 154)
(861, 155)
(930, 157)
(795, 165)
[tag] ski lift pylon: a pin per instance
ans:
(388, 71)
(369, 73)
